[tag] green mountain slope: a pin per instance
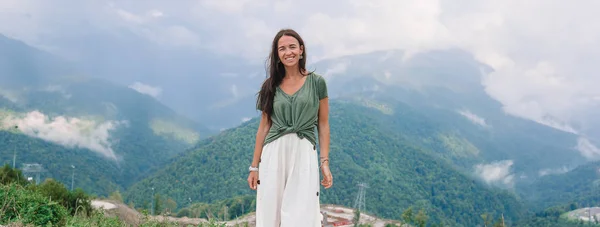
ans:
(441, 105)
(578, 186)
(113, 135)
(399, 175)
(568, 214)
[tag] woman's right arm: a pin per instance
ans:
(261, 134)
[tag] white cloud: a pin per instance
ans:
(561, 170)
(234, 91)
(337, 69)
(541, 51)
(10, 95)
(230, 75)
(58, 89)
(588, 149)
(473, 117)
(246, 119)
(66, 131)
(146, 89)
(129, 17)
(496, 172)
(377, 25)
(181, 36)
(155, 13)
(231, 6)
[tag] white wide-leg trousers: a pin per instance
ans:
(288, 193)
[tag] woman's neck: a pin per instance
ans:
(293, 73)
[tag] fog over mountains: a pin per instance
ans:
(200, 45)
(504, 92)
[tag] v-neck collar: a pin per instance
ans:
(299, 89)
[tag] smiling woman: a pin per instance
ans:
(293, 102)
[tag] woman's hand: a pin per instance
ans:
(327, 181)
(253, 179)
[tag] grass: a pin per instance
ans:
(100, 218)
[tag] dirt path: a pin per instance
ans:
(133, 217)
(334, 214)
(339, 214)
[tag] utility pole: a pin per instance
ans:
(590, 215)
(72, 176)
(152, 200)
(503, 220)
(359, 202)
(15, 152)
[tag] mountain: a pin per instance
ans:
(443, 88)
(111, 134)
(434, 103)
(222, 87)
(580, 185)
(431, 106)
(448, 111)
(363, 149)
(213, 83)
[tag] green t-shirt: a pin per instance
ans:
(297, 113)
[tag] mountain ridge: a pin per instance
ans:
(112, 134)
(216, 179)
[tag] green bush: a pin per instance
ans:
(28, 207)
(9, 175)
(74, 201)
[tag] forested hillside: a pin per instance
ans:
(559, 215)
(437, 101)
(53, 115)
(430, 146)
(399, 174)
(579, 186)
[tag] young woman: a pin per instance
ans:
(285, 166)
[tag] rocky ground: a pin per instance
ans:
(587, 214)
(336, 216)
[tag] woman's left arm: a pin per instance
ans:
(323, 128)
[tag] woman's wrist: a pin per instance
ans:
(324, 161)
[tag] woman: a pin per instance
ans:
(285, 166)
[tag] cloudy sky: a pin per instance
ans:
(544, 52)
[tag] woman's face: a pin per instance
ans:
(289, 50)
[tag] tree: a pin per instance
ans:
(157, 205)
(9, 175)
(356, 218)
(499, 223)
(171, 205)
(486, 220)
(407, 216)
(116, 195)
(421, 219)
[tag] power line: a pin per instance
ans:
(359, 202)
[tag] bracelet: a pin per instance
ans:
(326, 160)
(253, 169)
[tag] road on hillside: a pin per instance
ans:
(131, 216)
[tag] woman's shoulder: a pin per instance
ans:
(316, 77)
(319, 84)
